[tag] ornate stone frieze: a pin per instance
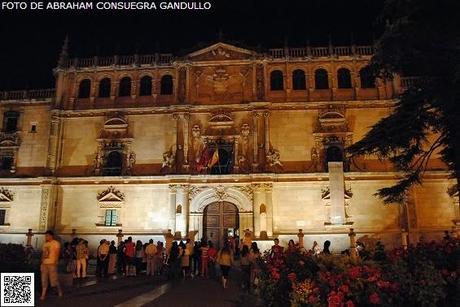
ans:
(44, 209)
(6, 195)
(111, 194)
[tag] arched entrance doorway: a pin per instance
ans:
(220, 220)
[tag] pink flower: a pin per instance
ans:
(374, 298)
(344, 288)
(334, 299)
(349, 303)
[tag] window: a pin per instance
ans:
(125, 87)
(298, 80)
(145, 86)
(111, 218)
(276, 80)
(84, 88)
(344, 78)
(33, 127)
(10, 121)
(321, 79)
(113, 164)
(166, 87)
(6, 163)
(366, 77)
(2, 216)
(104, 88)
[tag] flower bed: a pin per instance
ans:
(425, 275)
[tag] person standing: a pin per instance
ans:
(212, 254)
(103, 258)
(139, 256)
(50, 257)
(276, 250)
(159, 258)
(225, 260)
(254, 258)
(245, 265)
(204, 259)
(315, 249)
(121, 259)
(112, 258)
(130, 253)
(82, 253)
(150, 253)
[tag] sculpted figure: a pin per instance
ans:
(273, 158)
(197, 143)
(168, 159)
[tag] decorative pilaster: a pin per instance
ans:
(53, 143)
(172, 207)
(267, 132)
(255, 145)
(182, 200)
(337, 190)
(186, 137)
(235, 155)
(29, 236)
(269, 204)
(257, 202)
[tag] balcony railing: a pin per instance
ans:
(279, 53)
(40, 94)
(124, 60)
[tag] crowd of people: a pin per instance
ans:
(175, 259)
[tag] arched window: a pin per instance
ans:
(276, 80)
(125, 87)
(344, 78)
(366, 77)
(84, 89)
(321, 79)
(113, 164)
(166, 87)
(334, 154)
(104, 87)
(298, 80)
(145, 86)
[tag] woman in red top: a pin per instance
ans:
(204, 259)
(130, 253)
(212, 254)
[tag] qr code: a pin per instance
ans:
(17, 289)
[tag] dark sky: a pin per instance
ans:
(31, 40)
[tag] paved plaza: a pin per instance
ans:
(152, 292)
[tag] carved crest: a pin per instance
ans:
(111, 195)
(221, 51)
(6, 195)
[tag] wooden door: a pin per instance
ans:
(219, 218)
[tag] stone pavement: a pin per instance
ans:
(152, 292)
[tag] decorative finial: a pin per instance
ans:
(64, 55)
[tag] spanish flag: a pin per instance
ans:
(214, 159)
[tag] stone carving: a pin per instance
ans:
(219, 80)
(6, 195)
(110, 194)
(243, 157)
(169, 158)
(247, 190)
(260, 82)
(220, 192)
(273, 158)
(220, 53)
(130, 161)
(198, 144)
(44, 210)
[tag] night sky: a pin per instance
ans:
(31, 40)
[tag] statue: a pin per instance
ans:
(197, 143)
(243, 161)
(273, 158)
(168, 159)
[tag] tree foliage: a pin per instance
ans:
(421, 39)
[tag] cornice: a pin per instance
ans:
(250, 106)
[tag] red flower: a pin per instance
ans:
(334, 299)
(374, 298)
(383, 284)
(354, 272)
(312, 299)
(292, 277)
(349, 303)
(344, 288)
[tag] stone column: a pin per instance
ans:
(257, 201)
(182, 217)
(172, 207)
(336, 188)
(269, 204)
(267, 131)
(53, 143)
(176, 118)
(186, 137)
(353, 250)
(235, 155)
(29, 236)
(255, 123)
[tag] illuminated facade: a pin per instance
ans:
(129, 142)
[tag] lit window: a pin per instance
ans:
(111, 217)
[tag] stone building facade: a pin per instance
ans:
(208, 144)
